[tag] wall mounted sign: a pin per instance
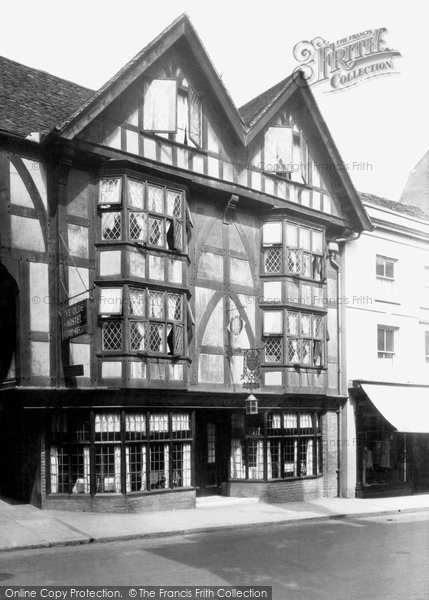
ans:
(74, 320)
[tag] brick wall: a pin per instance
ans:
(119, 503)
(298, 490)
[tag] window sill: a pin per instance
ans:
(117, 494)
(277, 480)
(386, 300)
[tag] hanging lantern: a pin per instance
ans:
(251, 405)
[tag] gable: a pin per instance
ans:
(169, 105)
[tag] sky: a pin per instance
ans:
(382, 122)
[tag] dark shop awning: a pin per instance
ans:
(405, 407)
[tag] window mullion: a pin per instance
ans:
(123, 456)
(92, 478)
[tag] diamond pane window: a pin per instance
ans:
(306, 265)
(195, 117)
(317, 326)
(293, 351)
(136, 194)
(138, 340)
(273, 349)
(178, 347)
(156, 232)
(294, 261)
(305, 324)
(156, 337)
(155, 197)
(292, 323)
(305, 352)
(273, 260)
(111, 226)
(112, 335)
(174, 204)
(137, 302)
(109, 191)
(175, 307)
(138, 222)
(156, 305)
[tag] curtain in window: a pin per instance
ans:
(259, 460)
(159, 423)
(167, 464)
(238, 470)
(143, 483)
(128, 469)
(54, 470)
(135, 423)
(269, 461)
(180, 422)
(86, 469)
(160, 102)
(309, 457)
(117, 469)
(109, 423)
(305, 421)
(186, 465)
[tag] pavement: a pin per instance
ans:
(25, 526)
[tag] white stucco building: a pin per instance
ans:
(386, 347)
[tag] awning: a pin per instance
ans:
(405, 407)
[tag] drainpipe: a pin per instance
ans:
(333, 249)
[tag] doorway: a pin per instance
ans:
(212, 452)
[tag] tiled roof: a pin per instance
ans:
(33, 100)
(254, 109)
(399, 207)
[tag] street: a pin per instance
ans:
(383, 557)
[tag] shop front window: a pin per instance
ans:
(290, 443)
(157, 448)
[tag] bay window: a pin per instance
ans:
(276, 445)
(302, 341)
(294, 249)
(156, 449)
(153, 214)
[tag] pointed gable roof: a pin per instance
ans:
(180, 28)
(253, 110)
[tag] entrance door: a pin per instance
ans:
(420, 462)
(212, 452)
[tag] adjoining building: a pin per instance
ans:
(386, 306)
(167, 257)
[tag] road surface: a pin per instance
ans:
(380, 558)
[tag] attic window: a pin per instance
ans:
(278, 149)
(160, 105)
(172, 108)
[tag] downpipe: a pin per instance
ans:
(333, 248)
